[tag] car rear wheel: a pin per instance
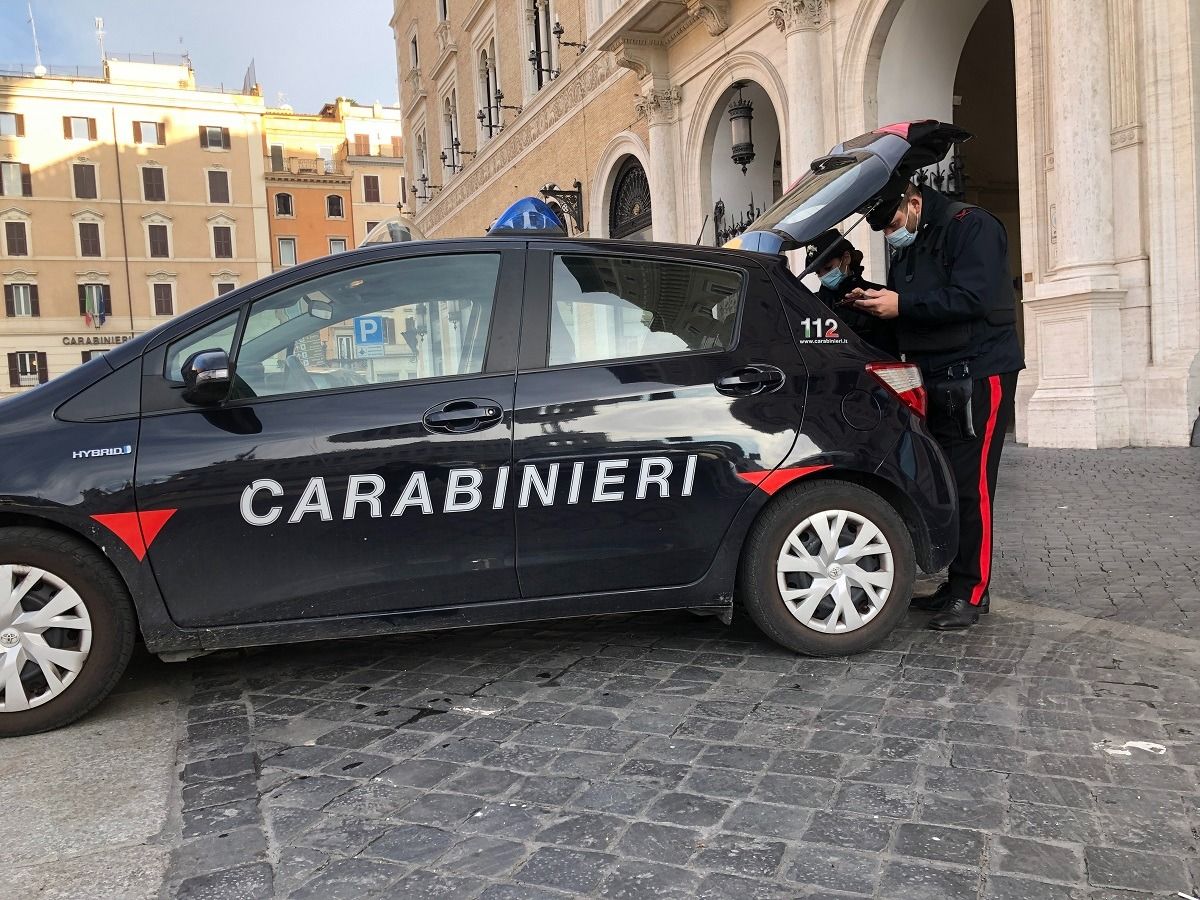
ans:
(828, 569)
(66, 630)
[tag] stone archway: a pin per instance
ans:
(623, 146)
(629, 212)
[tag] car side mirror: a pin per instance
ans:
(207, 377)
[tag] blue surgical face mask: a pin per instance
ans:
(901, 237)
(833, 278)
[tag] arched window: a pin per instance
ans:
(629, 208)
(283, 205)
(334, 209)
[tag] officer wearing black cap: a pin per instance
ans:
(950, 295)
(839, 267)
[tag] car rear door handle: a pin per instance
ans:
(462, 416)
(746, 382)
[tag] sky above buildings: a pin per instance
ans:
(306, 52)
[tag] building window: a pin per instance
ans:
(362, 145)
(283, 205)
(629, 210)
(95, 303)
(397, 145)
(164, 300)
(84, 176)
(222, 242)
(16, 239)
(277, 157)
(12, 124)
(89, 239)
(149, 133)
(218, 186)
(414, 58)
(489, 122)
(27, 368)
(371, 226)
(21, 300)
(160, 246)
(225, 287)
(154, 184)
(213, 137)
(287, 251)
(543, 64)
(450, 164)
(337, 245)
(443, 10)
(15, 180)
(89, 355)
(334, 209)
(371, 188)
(79, 128)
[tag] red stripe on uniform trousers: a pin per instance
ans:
(985, 497)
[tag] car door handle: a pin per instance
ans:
(750, 380)
(459, 416)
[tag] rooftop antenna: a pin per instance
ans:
(39, 70)
(100, 38)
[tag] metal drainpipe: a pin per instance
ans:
(124, 235)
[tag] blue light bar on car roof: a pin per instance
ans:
(529, 215)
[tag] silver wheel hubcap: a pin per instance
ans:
(45, 636)
(835, 571)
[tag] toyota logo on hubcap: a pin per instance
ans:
(835, 571)
(9, 639)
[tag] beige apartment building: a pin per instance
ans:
(1087, 146)
(133, 195)
(127, 198)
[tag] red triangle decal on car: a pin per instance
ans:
(770, 482)
(127, 528)
(152, 522)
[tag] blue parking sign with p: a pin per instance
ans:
(368, 330)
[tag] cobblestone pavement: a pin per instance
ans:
(669, 756)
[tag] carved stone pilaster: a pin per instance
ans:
(713, 13)
(799, 15)
(659, 106)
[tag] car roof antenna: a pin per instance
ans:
(824, 254)
(700, 236)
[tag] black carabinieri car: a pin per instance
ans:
(433, 434)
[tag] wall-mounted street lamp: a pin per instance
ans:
(558, 31)
(741, 114)
(487, 124)
(423, 195)
(535, 60)
(571, 202)
(500, 103)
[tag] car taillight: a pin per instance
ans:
(904, 380)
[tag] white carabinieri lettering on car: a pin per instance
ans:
(467, 489)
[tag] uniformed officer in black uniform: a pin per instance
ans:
(839, 266)
(950, 295)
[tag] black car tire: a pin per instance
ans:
(111, 616)
(757, 578)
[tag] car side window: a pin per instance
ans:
(613, 307)
(419, 317)
(216, 335)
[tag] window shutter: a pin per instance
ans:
(14, 374)
(137, 132)
(91, 129)
(225, 142)
(397, 146)
(82, 299)
(26, 181)
(67, 127)
(34, 308)
(162, 134)
(10, 308)
(43, 375)
(20, 125)
(106, 290)
(203, 137)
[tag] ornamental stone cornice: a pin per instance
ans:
(643, 58)
(790, 16)
(659, 106)
(713, 13)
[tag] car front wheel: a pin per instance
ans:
(66, 630)
(828, 569)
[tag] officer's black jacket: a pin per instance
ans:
(875, 331)
(956, 296)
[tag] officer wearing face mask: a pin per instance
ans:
(841, 272)
(949, 296)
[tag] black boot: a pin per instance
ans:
(940, 600)
(957, 614)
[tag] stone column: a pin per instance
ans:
(659, 103)
(801, 22)
(1080, 400)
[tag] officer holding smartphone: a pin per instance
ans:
(839, 267)
(949, 298)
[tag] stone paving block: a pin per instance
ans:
(575, 871)
(876, 799)
(768, 820)
(982, 814)
(796, 790)
(440, 809)
(410, 844)
(619, 798)
(484, 856)
(687, 809)
(348, 879)
(830, 867)
(426, 885)
(907, 881)
(588, 831)
(938, 843)
(720, 886)
(849, 831)
(638, 880)
(1019, 856)
(1006, 887)
(249, 882)
(741, 855)
(1136, 871)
